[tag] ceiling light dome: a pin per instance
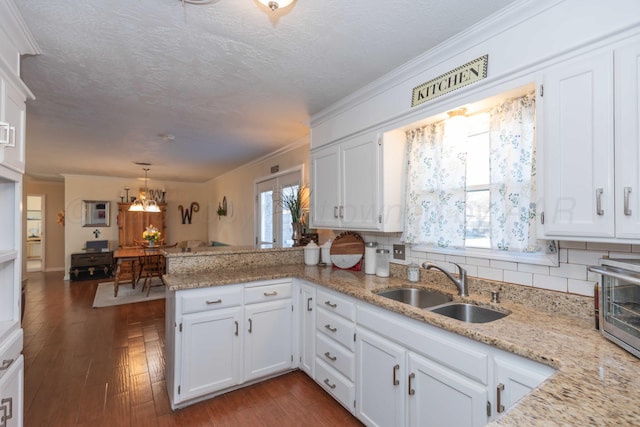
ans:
(276, 4)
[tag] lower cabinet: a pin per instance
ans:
(11, 394)
(438, 396)
(307, 321)
(221, 337)
(268, 338)
(380, 380)
(211, 352)
(385, 368)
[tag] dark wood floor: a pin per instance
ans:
(105, 367)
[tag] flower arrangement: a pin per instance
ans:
(151, 234)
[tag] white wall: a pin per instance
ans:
(82, 187)
(238, 187)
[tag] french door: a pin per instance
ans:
(273, 223)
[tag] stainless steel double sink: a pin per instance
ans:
(442, 304)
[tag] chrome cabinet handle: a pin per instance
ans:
(395, 379)
(627, 191)
(331, 386)
(218, 301)
(250, 326)
(236, 322)
(328, 326)
(599, 210)
(341, 211)
(8, 414)
(499, 391)
(330, 357)
(309, 304)
(5, 364)
(410, 390)
(270, 294)
(335, 212)
(330, 305)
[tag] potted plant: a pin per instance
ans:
(295, 201)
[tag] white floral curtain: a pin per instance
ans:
(435, 208)
(513, 175)
(436, 182)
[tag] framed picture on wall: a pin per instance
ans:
(95, 213)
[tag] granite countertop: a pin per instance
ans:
(596, 382)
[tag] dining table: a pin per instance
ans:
(127, 262)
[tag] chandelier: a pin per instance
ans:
(144, 203)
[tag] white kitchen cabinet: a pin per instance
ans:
(211, 351)
(627, 143)
(356, 183)
(11, 393)
(268, 338)
(335, 345)
(12, 126)
(514, 378)
(15, 40)
(438, 396)
(307, 322)
(578, 148)
(590, 147)
(380, 380)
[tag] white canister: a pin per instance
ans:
(370, 257)
(326, 252)
(312, 254)
(382, 262)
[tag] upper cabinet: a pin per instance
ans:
(12, 125)
(357, 184)
(590, 147)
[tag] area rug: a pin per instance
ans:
(104, 294)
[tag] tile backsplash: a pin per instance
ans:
(570, 276)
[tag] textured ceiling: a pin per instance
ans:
(231, 80)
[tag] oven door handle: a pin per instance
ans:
(630, 277)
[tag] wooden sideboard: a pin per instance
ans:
(132, 224)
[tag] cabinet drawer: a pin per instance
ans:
(336, 304)
(336, 327)
(335, 384)
(335, 355)
(267, 292)
(82, 260)
(10, 351)
(194, 300)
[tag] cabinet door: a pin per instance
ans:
(211, 352)
(307, 328)
(12, 394)
(268, 338)
(15, 115)
(132, 224)
(325, 187)
(360, 181)
(577, 148)
(440, 397)
(627, 71)
(380, 380)
(515, 377)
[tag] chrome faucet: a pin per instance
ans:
(460, 283)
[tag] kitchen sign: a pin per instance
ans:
(464, 75)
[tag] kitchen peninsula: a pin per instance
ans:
(595, 381)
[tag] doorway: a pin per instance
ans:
(35, 232)
(273, 224)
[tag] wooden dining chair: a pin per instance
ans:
(152, 264)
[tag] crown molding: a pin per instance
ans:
(478, 33)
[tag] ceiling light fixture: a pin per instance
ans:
(273, 4)
(144, 203)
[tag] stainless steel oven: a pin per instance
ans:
(620, 302)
